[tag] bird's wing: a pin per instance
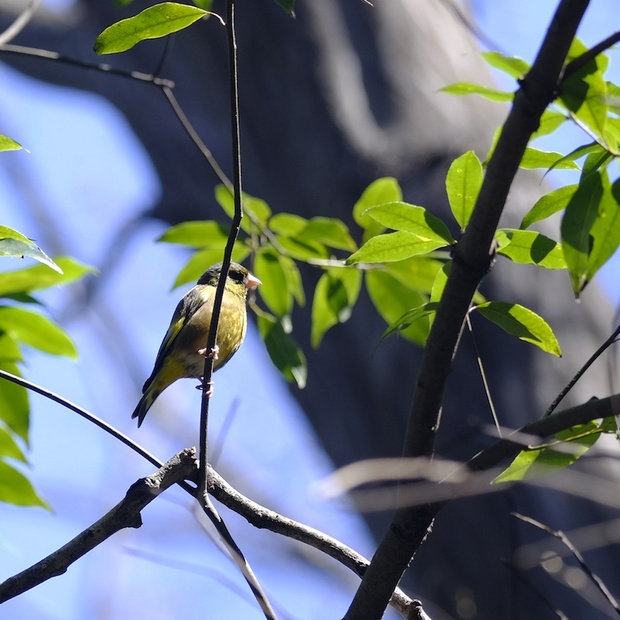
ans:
(185, 309)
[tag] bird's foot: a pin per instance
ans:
(209, 391)
(214, 354)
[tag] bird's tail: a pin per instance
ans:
(148, 398)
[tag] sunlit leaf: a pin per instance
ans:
(9, 447)
(154, 22)
(199, 234)
(463, 183)
(36, 331)
(549, 122)
(395, 246)
(287, 224)
(40, 277)
(302, 250)
(379, 192)
(8, 144)
(327, 231)
(549, 204)
(14, 406)
(13, 243)
(422, 314)
(522, 323)
(533, 158)
(255, 209)
(530, 248)
(512, 65)
(413, 219)
(16, 489)
(467, 88)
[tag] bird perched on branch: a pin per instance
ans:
(182, 351)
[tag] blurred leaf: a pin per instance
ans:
(417, 273)
(8, 144)
(207, 5)
(287, 357)
(327, 231)
(16, 489)
(530, 248)
(549, 204)
(522, 323)
(393, 247)
(413, 219)
(199, 234)
(274, 288)
(287, 224)
(512, 65)
(463, 183)
(287, 5)
(13, 243)
(254, 209)
(203, 259)
(533, 158)
(379, 192)
(334, 298)
(9, 447)
(613, 98)
(154, 22)
(40, 277)
(440, 282)
(392, 298)
(14, 407)
(9, 350)
(293, 279)
(36, 331)
(467, 88)
(532, 464)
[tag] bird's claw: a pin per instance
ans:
(214, 354)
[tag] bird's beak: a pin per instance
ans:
(251, 281)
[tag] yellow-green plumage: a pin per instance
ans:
(182, 351)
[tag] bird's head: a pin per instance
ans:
(238, 275)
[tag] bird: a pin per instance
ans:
(183, 349)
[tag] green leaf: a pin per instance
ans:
(14, 406)
(203, 259)
(302, 250)
(379, 192)
(207, 5)
(412, 316)
(582, 211)
(394, 246)
(334, 298)
(9, 349)
(522, 323)
(40, 277)
(327, 231)
(533, 158)
(9, 447)
(571, 445)
(463, 183)
(155, 22)
(412, 219)
(256, 211)
(584, 92)
(13, 243)
(293, 279)
(512, 65)
(199, 234)
(287, 224)
(613, 98)
(392, 298)
(287, 5)
(8, 144)
(467, 88)
(530, 248)
(36, 331)
(548, 205)
(549, 122)
(16, 489)
(417, 273)
(287, 357)
(274, 288)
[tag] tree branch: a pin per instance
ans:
(125, 514)
(472, 259)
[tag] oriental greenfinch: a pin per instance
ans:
(182, 351)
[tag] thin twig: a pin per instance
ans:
(21, 21)
(561, 536)
(581, 61)
(558, 399)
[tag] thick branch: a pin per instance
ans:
(472, 259)
(124, 514)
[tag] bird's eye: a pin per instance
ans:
(236, 275)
